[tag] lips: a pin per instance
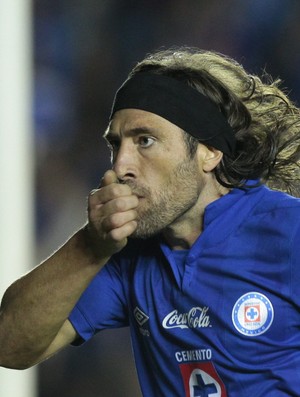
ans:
(140, 191)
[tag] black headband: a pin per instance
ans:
(178, 103)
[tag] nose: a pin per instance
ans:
(124, 162)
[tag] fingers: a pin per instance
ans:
(117, 220)
(109, 177)
(108, 193)
(120, 234)
(110, 189)
(112, 213)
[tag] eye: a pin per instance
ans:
(113, 145)
(146, 141)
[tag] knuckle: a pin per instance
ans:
(108, 223)
(116, 190)
(121, 204)
(115, 235)
(93, 198)
(114, 221)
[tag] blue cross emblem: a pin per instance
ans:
(252, 313)
(202, 389)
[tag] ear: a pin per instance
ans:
(210, 157)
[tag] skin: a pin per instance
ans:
(149, 155)
(153, 187)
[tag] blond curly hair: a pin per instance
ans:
(266, 122)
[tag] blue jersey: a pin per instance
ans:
(228, 322)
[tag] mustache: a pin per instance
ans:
(137, 189)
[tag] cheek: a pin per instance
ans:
(168, 173)
(156, 175)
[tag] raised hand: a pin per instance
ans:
(112, 216)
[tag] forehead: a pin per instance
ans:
(126, 121)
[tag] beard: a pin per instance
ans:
(160, 207)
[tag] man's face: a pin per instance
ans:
(149, 154)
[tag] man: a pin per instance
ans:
(184, 243)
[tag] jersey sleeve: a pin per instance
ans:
(102, 305)
(295, 266)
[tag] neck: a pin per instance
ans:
(184, 231)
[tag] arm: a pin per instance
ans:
(34, 309)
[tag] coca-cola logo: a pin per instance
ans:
(197, 317)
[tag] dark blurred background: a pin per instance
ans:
(83, 52)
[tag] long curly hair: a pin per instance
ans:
(266, 122)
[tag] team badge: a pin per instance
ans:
(202, 379)
(252, 314)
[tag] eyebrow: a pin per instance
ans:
(110, 135)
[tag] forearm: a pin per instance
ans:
(35, 307)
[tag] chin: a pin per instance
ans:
(144, 234)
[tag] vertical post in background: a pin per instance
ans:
(16, 164)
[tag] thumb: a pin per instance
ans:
(109, 177)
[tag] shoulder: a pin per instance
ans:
(277, 211)
(273, 200)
